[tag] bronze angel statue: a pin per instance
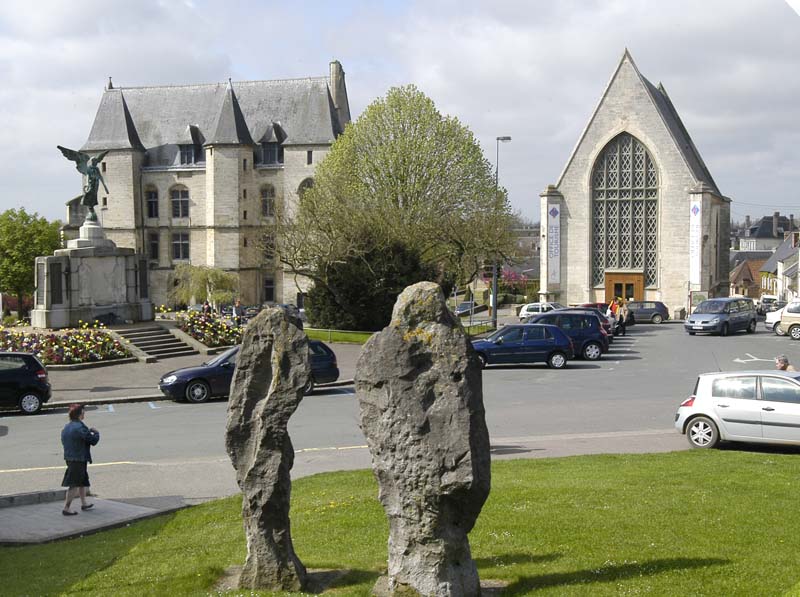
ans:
(86, 164)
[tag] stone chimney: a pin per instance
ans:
(775, 217)
(338, 91)
(791, 222)
(747, 222)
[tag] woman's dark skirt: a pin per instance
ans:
(76, 474)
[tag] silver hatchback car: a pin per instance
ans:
(746, 406)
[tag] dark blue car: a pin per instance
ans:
(582, 327)
(525, 343)
(198, 384)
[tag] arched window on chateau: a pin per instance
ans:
(624, 210)
(268, 201)
(304, 186)
(179, 197)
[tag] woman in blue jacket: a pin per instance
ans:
(77, 439)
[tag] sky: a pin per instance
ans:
(533, 70)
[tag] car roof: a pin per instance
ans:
(790, 374)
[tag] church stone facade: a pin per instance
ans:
(635, 212)
(195, 172)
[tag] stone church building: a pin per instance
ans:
(194, 172)
(635, 212)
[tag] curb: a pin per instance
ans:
(92, 365)
(156, 397)
(34, 497)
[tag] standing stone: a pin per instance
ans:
(418, 383)
(271, 371)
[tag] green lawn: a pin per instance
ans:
(685, 523)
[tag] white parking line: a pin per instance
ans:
(153, 406)
(111, 408)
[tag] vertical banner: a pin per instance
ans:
(695, 238)
(554, 244)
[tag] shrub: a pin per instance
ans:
(209, 329)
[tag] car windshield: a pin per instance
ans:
(557, 305)
(223, 356)
(710, 307)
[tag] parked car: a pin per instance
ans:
(764, 302)
(536, 308)
(790, 320)
(465, 308)
(526, 343)
(722, 316)
(776, 306)
(609, 324)
(773, 319)
(198, 384)
(652, 311)
(748, 406)
(23, 382)
(583, 328)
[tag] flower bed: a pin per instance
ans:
(82, 345)
(209, 329)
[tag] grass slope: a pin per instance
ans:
(685, 523)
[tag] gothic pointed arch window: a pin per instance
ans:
(624, 210)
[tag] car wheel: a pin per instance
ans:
(794, 332)
(30, 403)
(197, 391)
(657, 318)
(777, 329)
(751, 329)
(724, 330)
(309, 387)
(557, 360)
(702, 433)
(482, 360)
(592, 351)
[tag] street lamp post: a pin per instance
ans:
(504, 139)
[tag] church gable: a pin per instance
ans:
(630, 103)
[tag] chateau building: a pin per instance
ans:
(635, 212)
(195, 172)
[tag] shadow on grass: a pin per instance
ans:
(758, 448)
(354, 577)
(608, 574)
(71, 561)
(509, 559)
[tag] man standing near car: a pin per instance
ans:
(236, 313)
(622, 314)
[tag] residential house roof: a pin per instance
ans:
(783, 252)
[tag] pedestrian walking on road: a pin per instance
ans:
(77, 440)
(207, 309)
(782, 363)
(622, 313)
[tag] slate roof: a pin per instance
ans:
(160, 116)
(737, 257)
(783, 252)
(763, 228)
(672, 122)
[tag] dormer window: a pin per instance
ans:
(192, 154)
(270, 153)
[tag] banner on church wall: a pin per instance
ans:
(554, 244)
(695, 240)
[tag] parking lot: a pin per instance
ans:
(624, 402)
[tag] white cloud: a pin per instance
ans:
(530, 69)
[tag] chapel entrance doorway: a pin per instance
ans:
(628, 286)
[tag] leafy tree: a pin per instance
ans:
(401, 175)
(360, 292)
(196, 283)
(23, 238)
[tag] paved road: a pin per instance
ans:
(623, 403)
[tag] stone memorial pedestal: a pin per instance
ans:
(92, 278)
